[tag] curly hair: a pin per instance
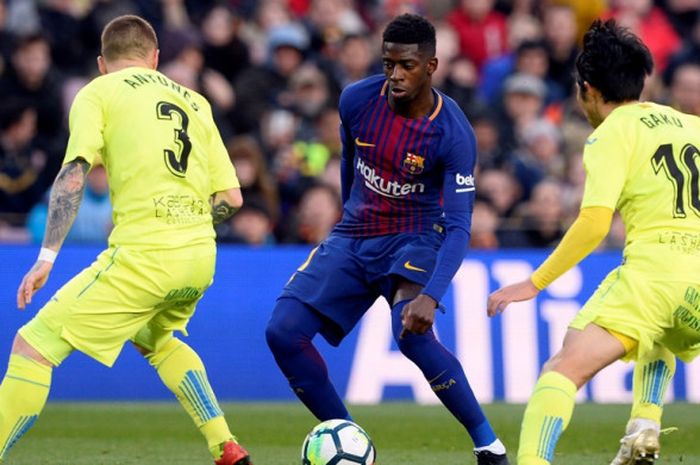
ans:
(614, 61)
(411, 29)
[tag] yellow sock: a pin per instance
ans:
(182, 371)
(547, 415)
(23, 394)
(652, 375)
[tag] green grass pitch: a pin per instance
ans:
(161, 434)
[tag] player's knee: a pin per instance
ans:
(279, 337)
(413, 344)
(291, 327)
(406, 346)
(21, 347)
(566, 364)
(142, 350)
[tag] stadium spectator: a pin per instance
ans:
(32, 78)
(456, 76)
(22, 17)
(259, 88)
(651, 24)
(523, 103)
(540, 223)
(311, 154)
(307, 96)
(26, 168)
(489, 148)
(501, 189)
(318, 211)
(356, 60)
(585, 11)
(328, 22)
(331, 175)
(684, 94)
(224, 51)
(251, 225)
(560, 33)
(485, 223)
(447, 50)
(521, 28)
(6, 39)
(253, 173)
(482, 30)
(66, 26)
(532, 57)
(683, 15)
(538, 157)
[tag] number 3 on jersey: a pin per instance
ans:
(688, 181)
(176, 164)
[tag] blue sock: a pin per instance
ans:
(446, 377)
(289, 333)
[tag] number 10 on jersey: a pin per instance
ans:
(686, 180)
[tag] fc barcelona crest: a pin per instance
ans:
(413, 163)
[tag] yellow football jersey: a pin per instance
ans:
(644, 160)
(163, 154)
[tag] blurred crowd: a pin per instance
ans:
(273, 71)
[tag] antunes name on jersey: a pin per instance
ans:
(136, 80)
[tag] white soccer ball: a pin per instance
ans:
(337, 442)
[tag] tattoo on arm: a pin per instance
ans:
(221, 210)
(66, 194)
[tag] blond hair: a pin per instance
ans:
(128, 36)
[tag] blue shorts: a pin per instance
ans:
(343, 276)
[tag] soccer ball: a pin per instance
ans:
(337, 442)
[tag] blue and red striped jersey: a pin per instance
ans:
(403, 175)
(399, 170)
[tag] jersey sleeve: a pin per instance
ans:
(86, 123)
(347, 155)
(221, 170)
(606, 161)
(458, 197)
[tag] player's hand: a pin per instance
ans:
(32, 282)
(418, 315)
(499, 300)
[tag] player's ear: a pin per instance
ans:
(592, 91)
(432, 65)
(155, 57)
(101, 65)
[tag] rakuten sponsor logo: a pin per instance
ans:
(384, 187)
(464, 183)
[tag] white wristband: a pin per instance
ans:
(47, 255)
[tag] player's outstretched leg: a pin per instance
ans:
(183, 372)
(447, 379)
(653, 372)
(23, 394)
(289, 333)
(583, 354)
(547, 415)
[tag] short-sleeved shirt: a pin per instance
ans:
(163, 154)
(644, 160)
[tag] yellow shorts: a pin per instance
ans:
(124, 295)
(648, 310)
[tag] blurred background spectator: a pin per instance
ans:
(274, 69)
